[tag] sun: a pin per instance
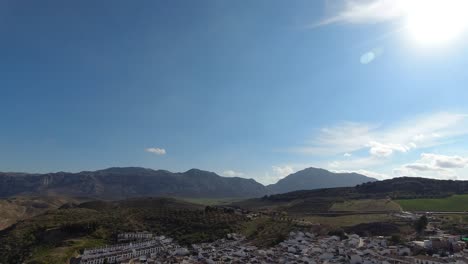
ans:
(435, 22)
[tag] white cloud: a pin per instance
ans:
(282, 171)
(347, 154)
(277, 173)
(383, 141)
(384, 150)
(231, 173)
(447, 162)
(157, 151)
(365, 11)
(434, 166)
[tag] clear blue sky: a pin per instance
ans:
(251, 88)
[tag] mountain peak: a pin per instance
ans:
(316, 178)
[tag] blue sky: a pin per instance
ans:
(257, 89)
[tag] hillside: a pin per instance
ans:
(314, 178)
(56, 236)
(118, 183)
(15, 209)
(322, 200)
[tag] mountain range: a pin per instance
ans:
(120, 183)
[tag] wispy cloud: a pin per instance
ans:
(157, 151)
(382, 141)
(231, 173)
(443, 161)
(433, 165)
(364, 11)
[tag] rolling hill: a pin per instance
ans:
(322, 200)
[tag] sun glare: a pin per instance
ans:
(435, 22)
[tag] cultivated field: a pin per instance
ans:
(454, 203)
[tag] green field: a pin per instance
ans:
(454, 203)
(375, 205)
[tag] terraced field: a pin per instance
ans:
(454, 203)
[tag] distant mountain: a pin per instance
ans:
(314, 178)
(119, 183)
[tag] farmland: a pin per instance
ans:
(454, 203)
(367, 205)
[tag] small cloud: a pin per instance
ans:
(231, 173)
(279, 172)
(282, 171)
(347, 154)
(384, 150)
(157, 151)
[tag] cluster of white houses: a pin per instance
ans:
(121, 253)
(299, 247)
(134, 236)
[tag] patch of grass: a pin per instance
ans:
(370, 205)
(454, 203)
(348, 220)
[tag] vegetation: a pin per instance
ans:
(421, 224)
(19, 208)
(452, 203)
(60, 234)
(266, 232)
(323, 200)
(366, 205)
(348, 220)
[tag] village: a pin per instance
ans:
(299, 247)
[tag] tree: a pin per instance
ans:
(395, 239)
(421, 224)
